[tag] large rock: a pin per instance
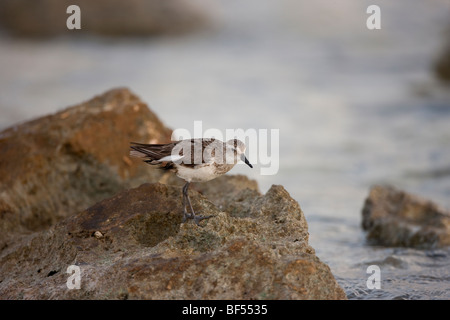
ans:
(61, 164)
(393, 217)
(130, 242)
(133, 246)
(42, 18)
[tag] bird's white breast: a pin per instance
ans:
(200, 173)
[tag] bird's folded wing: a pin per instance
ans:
(185, 152)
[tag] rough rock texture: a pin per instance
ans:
(132, 246)
(395, 218)
(226, 192)
(42, 18)
(63, 163)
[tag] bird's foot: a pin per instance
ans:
(197, 219)
(194, 217)
(186, 216)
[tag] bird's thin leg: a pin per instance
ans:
(186, 197)
(196, 218)
(185, 214)
(190, 205)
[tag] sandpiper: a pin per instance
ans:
(193, 160)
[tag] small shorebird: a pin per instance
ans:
(193, 160)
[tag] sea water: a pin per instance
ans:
(354, 107)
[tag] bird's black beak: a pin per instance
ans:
(243, 158)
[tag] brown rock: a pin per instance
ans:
(442, 64)
(63, 163)
(145, 253)
(393, 217)
(42, 18)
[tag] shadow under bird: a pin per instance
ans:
(193, 160)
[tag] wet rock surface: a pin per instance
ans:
(394, 217)
(70, 196)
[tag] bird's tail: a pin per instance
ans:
(151, 153)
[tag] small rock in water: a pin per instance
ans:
(393, 217)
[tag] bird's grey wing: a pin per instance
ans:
(152, 153)
(213, 150)
(192, 153)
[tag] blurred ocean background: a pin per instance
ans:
(354, 108)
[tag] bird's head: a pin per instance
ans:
(237, 147)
